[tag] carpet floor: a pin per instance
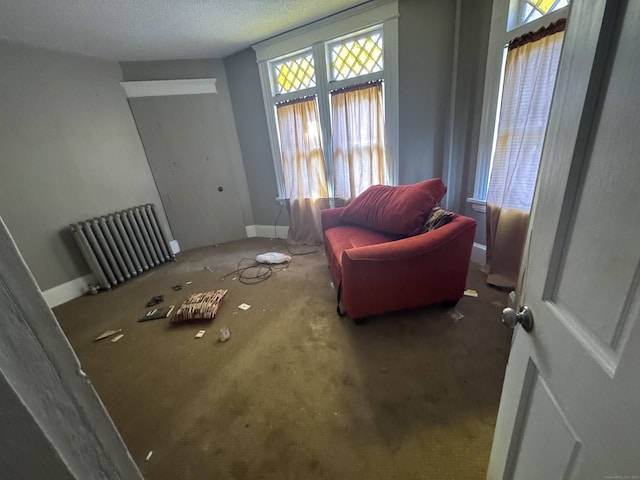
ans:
(296, 392)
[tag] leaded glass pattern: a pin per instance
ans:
(294, 73)
(356, 56)
(534, 9)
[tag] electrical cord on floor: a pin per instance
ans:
(255, 272)
(285, 244)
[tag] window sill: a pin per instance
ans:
(478, 205)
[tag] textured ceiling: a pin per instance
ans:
(156, 29)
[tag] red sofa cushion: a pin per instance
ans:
(337, 240)
(400, 210)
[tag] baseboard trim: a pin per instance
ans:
(68, 291)
(266, 231)
(479, 253)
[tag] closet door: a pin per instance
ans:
(190, 158)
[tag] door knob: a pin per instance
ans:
(524, 318)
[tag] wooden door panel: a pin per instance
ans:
(596, 276)
(569, 403)
(543, 427)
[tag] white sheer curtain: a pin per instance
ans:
(303, 167)
(529, 80)
(357, 130)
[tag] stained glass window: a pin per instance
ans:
(534, 9)
(356, 56)
(294, 73)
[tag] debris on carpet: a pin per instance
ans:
(244, 306)
(157, 313)
(106, 334)
(273, 258)
(116, 338)
(200, 306)
(225, 334)
(469, 292)
(455, 315)
(155, 300)
(200, 333)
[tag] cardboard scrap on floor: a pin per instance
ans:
(107, 334)
(469, 292)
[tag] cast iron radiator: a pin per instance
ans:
(123, 244)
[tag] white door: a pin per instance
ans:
(191, 160)
(570, 406)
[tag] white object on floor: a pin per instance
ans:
(200, 333)
(273, 257)
(225, 334)
(116, 338)
(148, 456)
(469, 292)
(244, 306)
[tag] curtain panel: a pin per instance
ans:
(529, 80)
(303, 166)
(357, 131)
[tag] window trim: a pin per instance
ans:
(499, 37)
(316, 35)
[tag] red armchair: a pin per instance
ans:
(377, 272)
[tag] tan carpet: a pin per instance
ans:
(297, 392)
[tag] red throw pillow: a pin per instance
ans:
(400, 210)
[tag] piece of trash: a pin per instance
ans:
(177, 287)
(332, 285)
(188, 283)
(469, 292)
(106, 334)
(225, 334)
(207, 268)
(244, 306)
(273, 258)
(155, 300)
(146, 459)
(234, 278)
(455, 315)
(157, 313)
(116, 338)
(200, 333)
